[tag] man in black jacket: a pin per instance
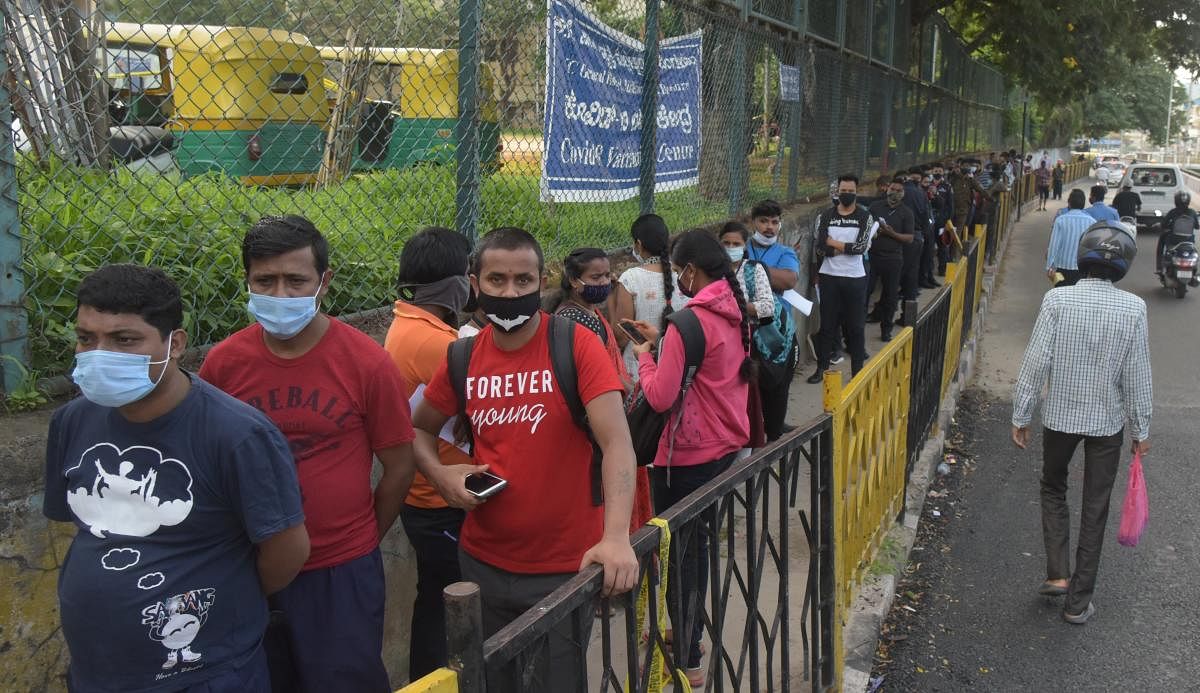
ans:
(918, 203)
(844, 233)
(887, 251)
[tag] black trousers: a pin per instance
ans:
(843, 313)
(1058, 189)
(910, 270)
(1101, 456)
(929, 253)
(563, 661)
(887, 271)
(774, 383)
(433, 533)
(689, 571)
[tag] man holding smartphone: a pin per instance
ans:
(535, 533)
(896, 230)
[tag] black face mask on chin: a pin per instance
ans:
(510, 314)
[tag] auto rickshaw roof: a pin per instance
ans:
(216, 42)
(395, 56)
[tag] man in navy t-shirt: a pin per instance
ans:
(783, 269)
(186, 501)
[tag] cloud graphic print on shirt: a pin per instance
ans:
(120, 559)
(176, 621)
(150, 581)
(130, 492)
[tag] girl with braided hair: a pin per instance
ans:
(647, 291)
(710, 426)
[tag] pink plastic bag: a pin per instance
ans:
(1135, 511)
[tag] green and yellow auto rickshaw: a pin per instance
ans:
(410, 107)
(245, 101)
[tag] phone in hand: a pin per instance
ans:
(484, 485)
(631, 330)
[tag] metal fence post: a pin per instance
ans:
(14, 329)
(649, 108)
(794, 124)
(466, 196)
(464, 635)
(737, 129)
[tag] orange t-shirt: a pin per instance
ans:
(417, 342)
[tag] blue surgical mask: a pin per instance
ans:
(736, 254)
(595, 293)
(115, 378)
(283, 318)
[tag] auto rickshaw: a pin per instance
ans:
(411, 107)
(245, 101)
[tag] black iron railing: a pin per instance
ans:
(968, 307)
(928, 359)
(749, 520)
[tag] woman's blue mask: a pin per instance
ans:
(595, 293)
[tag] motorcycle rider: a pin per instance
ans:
(1175, 228)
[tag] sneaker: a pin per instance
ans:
(1080, 619)
(885, 337)
(816, 377)
(837, 358)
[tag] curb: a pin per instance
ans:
(860, 636)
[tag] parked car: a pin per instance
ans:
(1156, 184)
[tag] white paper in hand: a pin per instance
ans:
(447, 432)
(797, 301)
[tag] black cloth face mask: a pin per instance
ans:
(510, 314)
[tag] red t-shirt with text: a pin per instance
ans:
(544, 520)
(336, 404)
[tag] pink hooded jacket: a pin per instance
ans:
(715, 422)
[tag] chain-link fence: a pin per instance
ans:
(157, 131)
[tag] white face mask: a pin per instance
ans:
(765, 240)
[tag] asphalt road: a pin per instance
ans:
(967, 616)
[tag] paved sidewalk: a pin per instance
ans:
(980, 625)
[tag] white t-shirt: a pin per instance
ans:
(845, 229)
(646, 288)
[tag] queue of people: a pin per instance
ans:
(230, 520)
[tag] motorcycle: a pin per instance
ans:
(1179, 268)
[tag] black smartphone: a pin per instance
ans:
(484, 485)
(632, 331)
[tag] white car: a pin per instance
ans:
(1156, 184)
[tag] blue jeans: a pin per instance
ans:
(690, 572)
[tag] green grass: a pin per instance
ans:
(74, 220)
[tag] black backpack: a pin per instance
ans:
(645, 424)
(561, 337)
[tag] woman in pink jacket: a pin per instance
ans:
(712, 421)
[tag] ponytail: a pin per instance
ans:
(748, 370)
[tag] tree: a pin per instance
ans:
(1136, 97)
(1071, 43)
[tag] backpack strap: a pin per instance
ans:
(694, 344)
(561, 336)
(748, 275)
(458, 358)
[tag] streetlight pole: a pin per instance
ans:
(1019, 169)
(1170, 107)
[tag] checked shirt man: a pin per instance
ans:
(1091, 346)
